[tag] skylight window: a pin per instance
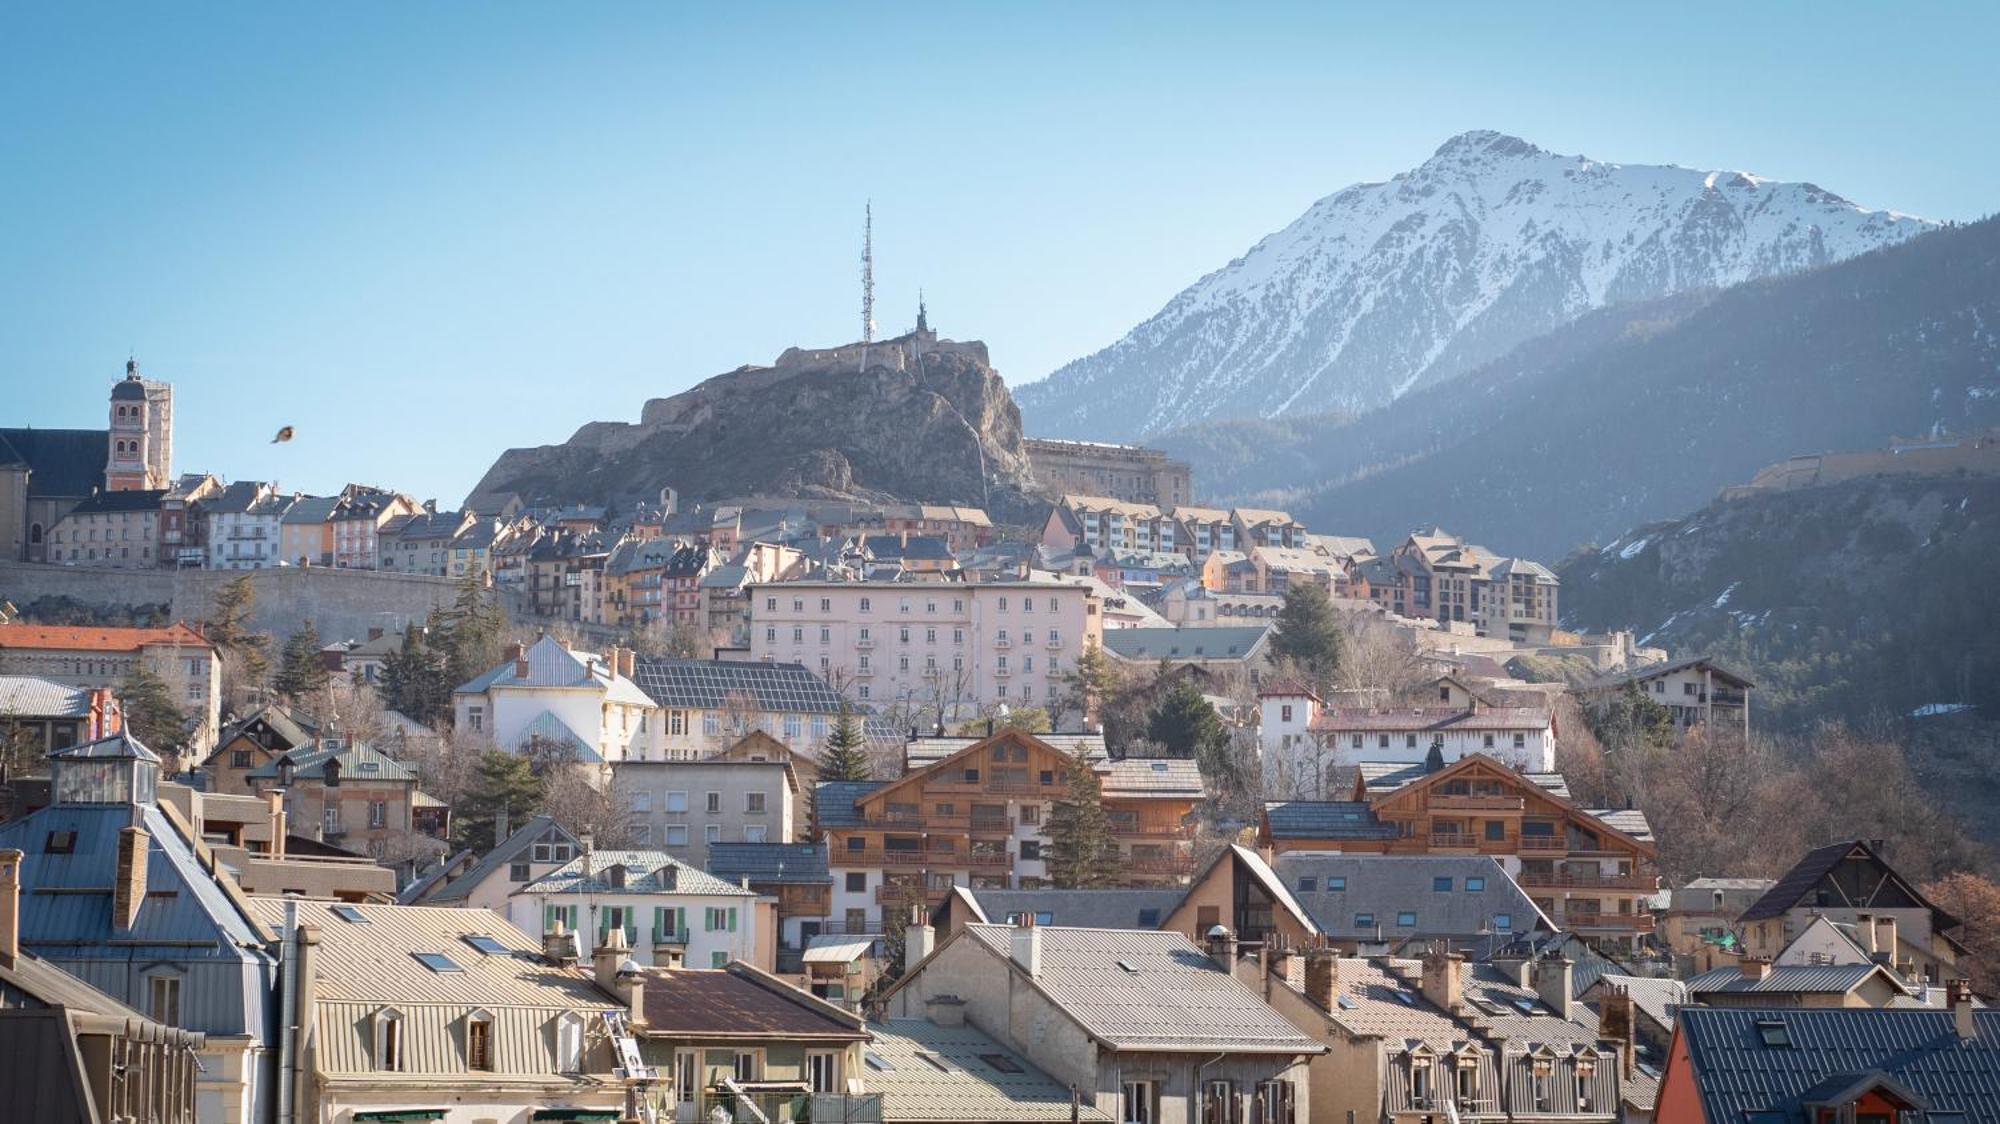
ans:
(486, 944)
(1128, 966)
(934, 1062)
(1774, 1033)
(349, 914)
(1001, 1062)
(877, 1062)
(1149, 918)
(1527, 1006)
(437, 962)
(1405, 998)
(1347, 1002)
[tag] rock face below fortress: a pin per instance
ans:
(920, 419)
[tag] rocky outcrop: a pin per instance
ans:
(916, 418)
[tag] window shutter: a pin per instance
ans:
(548, 918)
(732, 918)
(681, 921)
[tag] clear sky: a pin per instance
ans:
(422, 233)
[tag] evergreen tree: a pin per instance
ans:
(1088, 682)
(301, 676)
(152, 714)
(228, 627)
(845, 755)
(416, 679)
(1081, 853)
(1308, 632)
(505, 780)
(1187, 725)
(472, 633)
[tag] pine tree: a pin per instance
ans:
(506, 780)
(228, 628)
(1308, 632)
(416, 679)
(151, 713)
(301, 676)
(1186, 723)
(845, 755)
(1081, 852)
(1088, 682)
(472, 633)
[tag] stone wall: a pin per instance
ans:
(342, 604)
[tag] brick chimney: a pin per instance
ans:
(1753, 968)
(520, 655)
(1616, 1022)
(10, 907)
(1323, 977)
(1553, 980)
(1885, 941)
(1442, 982)
(128, 892)
(106, 717)
(1957, 996)
(628, 662)
(1026, 946)
(274, 818)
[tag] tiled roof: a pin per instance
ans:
(1382, 887)
(646, 872)
(739, 1002)
(1424, 719)
(930, 750)
(680, 684)
(1388, 776)
(25, 696)
(1631, 821)
(66, 639)
(834, 802)
(1147, 990)
(311, 509)
(1325, 819)
(769, 862)
(1749, 1062)
(1155, 776)
(1233, 642)
(930, 1074)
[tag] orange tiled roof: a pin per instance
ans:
(65, 639)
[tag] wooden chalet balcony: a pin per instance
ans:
(878, 856)
(1643, 883)
(894, 894)
(987, 824)
(1544, 843)
(1608, 922)
(1456, 803)
(1150, 829)
(1180, 864)
(989, 859)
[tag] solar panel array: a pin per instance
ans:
(679, 684)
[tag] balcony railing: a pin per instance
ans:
(1158, 864)
(894, 894)
(1584, 881)
(1152, 829)
(1544, 843)
(1479, 803)
(989, 859)
(1616, 922)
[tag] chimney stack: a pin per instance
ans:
(1323, 977)
(500, 825)
(1753, 968)
(559, 945)
(1553, 980)
(945, 1010)
(1221, 945)
(10, 907)
(128, 893)
(1885, 941)
(918, 938)
(1957, 995)
(628, 662)
(1615, 1022)
(1864, 933)
(1443, 984)
(1027, 946)
(274, 820)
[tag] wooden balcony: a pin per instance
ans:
(1565, 880)
(1477, 803)
(1176, 864)
(893, 894)
(877, 856)
(1608, 922)
(1151, 829)
(989, 859)
(1544, 843)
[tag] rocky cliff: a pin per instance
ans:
(915, 418)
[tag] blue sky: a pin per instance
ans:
(424, 233)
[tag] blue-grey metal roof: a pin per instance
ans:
(1813, 979)
(121, 746)
(769, 862)
(1376, 890)
(358, 761)
(1221, 643)
(1747, 1062)
(1325, 819)
(26, 696)
(645, 872)
(834, 802)
(509, 849)
(1117, 908)
(784, 688)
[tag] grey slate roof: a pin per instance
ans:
(61, 462)
(647, 872)
(500, 856)
(1388, 776)
(930, 1073)
(1737, 1074)
(1220, 643)
(1325, 819)
(311, 509)
(788, 688)
(1384, 886)
(834, 802)
(108, 503)
(1172, 998)
(769, 862)
(1123, 908)
(359, 761)
(1151, 776)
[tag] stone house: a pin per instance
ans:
(686, 807)
(110, 530)
(105, 657)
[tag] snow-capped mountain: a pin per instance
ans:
(1387, 286)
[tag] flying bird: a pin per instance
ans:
(283, 436)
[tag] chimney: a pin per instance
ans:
(1957, 996)
(628, 662)
(945, 1010)
(1753, 968)
(274, 820)
(10, 907)
(1027, 946)
(604, 961)
(1442, 983)
(1221, 945)
(520, 663)
(918, 938)
(1885, 941)
(1553, 980)
(1864, 933)
(128, 893)
(1615, 1022)
(374, 632)
(500, 825)
(1323, 977)
(559, 945)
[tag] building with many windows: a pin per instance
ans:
(104, 657)
(671, 914)
(685, 807)
(706, 706)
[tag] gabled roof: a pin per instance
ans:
(646, 872)
(1627, 824)
(798, 863)
(120, 746)
(1429, 719)
(1382, 887)
(508, 850)
(26, 696)
(104, 639)
(1654, 671)
(550, 731)
(1790, 979)
(60, 462)
(113, 503)
(359, 761)
(1114, 908)
(1660, 999)
(1747, 1062)
(1229, 642)
(930, 1074)
(1806, 875)
(311, 509)
(551, 664)
(740, 1002)
(1146, 991)
(1324, 819)
(683, 684)
(1378, 777)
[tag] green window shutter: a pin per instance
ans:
(681, 921)
(631, 928)
(660, 929)
(732, 918)
(548, 919)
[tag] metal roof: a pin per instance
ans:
(1660, 999)
(928, 1073)
(530, 833)
(769, 862)
(1379, 889)
(1115, 908)
(550, 664)
(121, 746)
(1144, 990)
(1222, 643)
(835, 948)
(359, 761)
(25, 696)
(646, 872)
(1424, 719)
(1325, 819)
(785, 688)
(740, 1002)
(1796, 979)
(834, 802)
(1654, 671)
(1737, 1072)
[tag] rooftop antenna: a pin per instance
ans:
(867, 280)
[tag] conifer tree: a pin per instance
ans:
(1081, 852)
(151, 712)
(301, 676)
(1308, 632)
(245, 652)
(845, 755)
(506, 780)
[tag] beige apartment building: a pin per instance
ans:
(1125, 472)
(945, 648)
(106, 657)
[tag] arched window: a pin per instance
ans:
(479, 1041)
(569, 1044)
(35, 533)
(389, 1040)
